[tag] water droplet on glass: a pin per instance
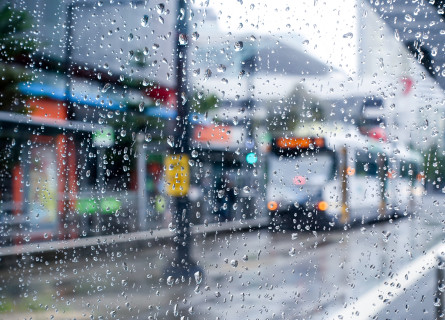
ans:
(196, 72)
(183, 39)
(198, 277)
(348, 35)
(160, 8)
(106, 87)
(171, 141)
(141, 106)
(221, 68)
(194, 153)
(170, 280)
(234, 263)
(207, 74)
(246, 189)
(408, 17)
(396, 35)
(239, 46)
(144, 21)
(195, 36)
(148, 137)
(292, 252)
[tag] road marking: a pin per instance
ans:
(375, 300)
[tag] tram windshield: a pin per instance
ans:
(301, 169)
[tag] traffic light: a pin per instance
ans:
(251, 158)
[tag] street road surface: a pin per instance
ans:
(255, 274)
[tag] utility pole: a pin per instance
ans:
(177, 166)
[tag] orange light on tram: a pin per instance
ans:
(272, 205)
(350, 171)
(298, 142)
(322, 206)
(293, 142)
(319, 142)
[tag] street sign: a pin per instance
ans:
(177, 175)
(103, 138)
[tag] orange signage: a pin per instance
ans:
(212, 133)
(299, 142)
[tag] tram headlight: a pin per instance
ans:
(322, 206)
(272, 205)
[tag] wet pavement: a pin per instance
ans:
(255, 274)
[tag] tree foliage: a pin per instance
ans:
(13, 43)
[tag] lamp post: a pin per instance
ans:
(179, 179)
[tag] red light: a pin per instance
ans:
(299, 180)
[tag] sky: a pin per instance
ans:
(327, 29)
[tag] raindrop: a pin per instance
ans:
(160, 8)
(239, 46)
(130, 37)
(396, 35)
(195, 36)
(196, 72)
(434, 51)
(194, 153)
(183, 39)
(408, 17)
(234, 263)
(106, 87)
(292, 252)
(386, 235)
(198, 277)
(221, 68)
(170, 280)
(148, 137)
(207, 74)
(348, 35)
(123, 133)
(246, 189)
(141, 106)
(171, 141)
(144, 21)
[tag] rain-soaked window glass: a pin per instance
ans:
(236, 159)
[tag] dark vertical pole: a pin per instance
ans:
(183, 265)
(69, 108)
(439, 290)
(67, 62)
(382, 184)
(344, 185)
(249, 67)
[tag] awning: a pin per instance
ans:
(19, 125)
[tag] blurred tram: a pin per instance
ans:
(324, 178)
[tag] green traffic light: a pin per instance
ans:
(251, 158)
